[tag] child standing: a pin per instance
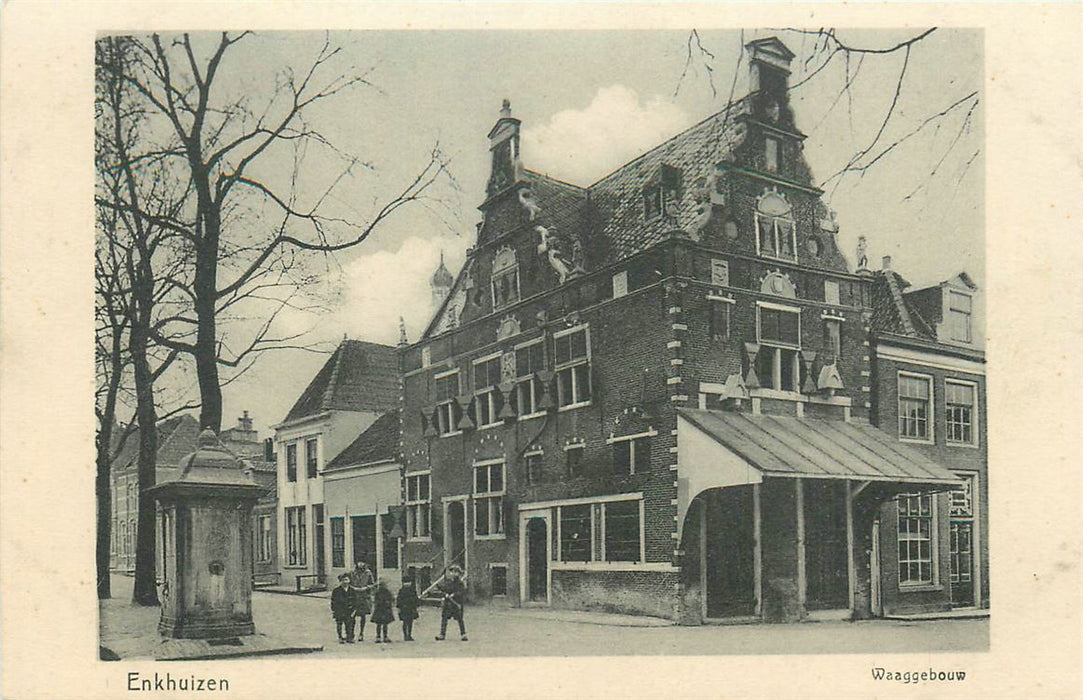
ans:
(454, 591)
(407, 603)
(343, 603)
(381, 612)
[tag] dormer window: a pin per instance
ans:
(663, 191)
(776, 236)
(960, 307)
(505, 279)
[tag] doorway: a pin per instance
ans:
(537, 555)
(826, 569)
(317, 544)
(961, 524)
(363, 532)
(729, 553)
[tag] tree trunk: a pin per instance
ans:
(146, 584)
(206, 299)
(105, 510)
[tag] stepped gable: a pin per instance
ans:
(617, 198)
(359, 376)
(377, 443)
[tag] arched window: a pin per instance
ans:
(776, 236)
(505, 278)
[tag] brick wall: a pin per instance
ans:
(625, 592)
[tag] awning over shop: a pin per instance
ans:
(727, 448)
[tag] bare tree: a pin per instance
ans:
(248, 238)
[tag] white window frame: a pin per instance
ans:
(291, 446)
(486, 394)
(775, 220)
(527, 456)
(315, 443)
(778, 347)
(647, 434)
(951, 311)
(974, 440)
(934, 544)
(642, 539)
(492, 500)
(445, 409)
(418, 506)
(263, 538)
(836, 323)
(559, 554)
(930, 420)
(528, 383)
(570, 366)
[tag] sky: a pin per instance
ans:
(589, 102)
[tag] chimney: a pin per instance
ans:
(886, 263)
(269, 450)
(504, 146)
(769, 64)
(244, 423)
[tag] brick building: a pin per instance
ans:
(357, 384)
(928, 388)
(653, 394)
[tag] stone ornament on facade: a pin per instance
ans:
(509, 326)
(526, 198)
(563, 251)
(778, 284)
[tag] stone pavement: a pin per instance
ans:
(503, 632)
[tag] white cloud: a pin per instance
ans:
(381, 286)
(582, 145)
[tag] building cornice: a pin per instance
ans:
(929, 354)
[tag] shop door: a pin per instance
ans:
(827, 580)
(318, 534)
(962, 544)
(730, 553)
(456, 535)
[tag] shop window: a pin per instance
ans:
(417, 506)
(631, 455)
(960, 307)
(338, 542)
(572, 362)
(917, 562)
(448, 412)
(622, 536)
(487, 398)
(960, 402)
(575, 533)
(529, 360)
(489, 500)
(389, 543)
(311, 458)
(915, 407)
(777, 364)
(291, 462)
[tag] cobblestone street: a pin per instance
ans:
(496, 632)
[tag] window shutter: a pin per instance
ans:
(751, 380)
(465, 401)
(808, 357)
(428, 421)
(546, 378)
(507, 390)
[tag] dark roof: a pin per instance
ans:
(359, 376)
(177, 437)
(617, 197)
(787, 446)
(377, 443)
(893, 311)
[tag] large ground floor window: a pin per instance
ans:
(604, 531)
(917, 535)
(296, 536)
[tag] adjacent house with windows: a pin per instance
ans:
(362, 499)
(653, 394)
(357, 384)
(928, 385)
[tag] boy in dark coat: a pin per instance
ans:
(454, 591)
(363, 582)
(407, 603)
(381, 612)
(343, 604)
